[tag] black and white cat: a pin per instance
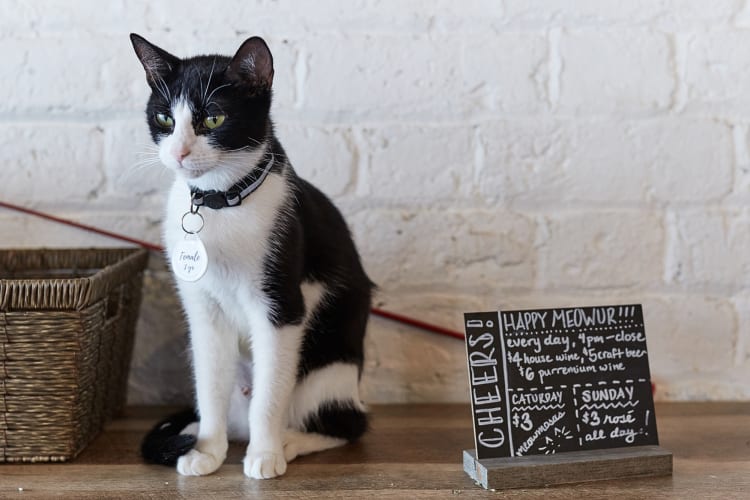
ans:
(277, 321)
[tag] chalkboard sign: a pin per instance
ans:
(556, 380)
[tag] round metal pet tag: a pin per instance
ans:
(189, 259)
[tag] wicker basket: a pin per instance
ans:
(67, 321)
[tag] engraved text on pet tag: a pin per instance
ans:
(189, 259)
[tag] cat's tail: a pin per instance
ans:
(164, 444)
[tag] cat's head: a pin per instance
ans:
(209, 115)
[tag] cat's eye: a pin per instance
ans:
(164, 120)
(213, 122)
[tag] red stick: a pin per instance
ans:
(85, 227)
(417, 323)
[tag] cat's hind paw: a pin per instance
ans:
(196, 463)
(264, 464)
(301, 443)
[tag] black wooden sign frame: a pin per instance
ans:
(548, 381)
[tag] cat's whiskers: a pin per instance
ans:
(242, 159)
(220, 177)
(200, 83)
(161, 85)
(236, 169)
(236, 150)
(233, 166)
(146, 161)
(148, 155)
(243, 149)
(147, 158)
(217, 105)
(255, 142)
(147, 149)
(208, 99)
(208, 85)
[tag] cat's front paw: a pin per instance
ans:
(196, 463)
(264, 464)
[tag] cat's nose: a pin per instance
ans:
(180, 154)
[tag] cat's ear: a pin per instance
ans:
(252, 64)
(157, 62)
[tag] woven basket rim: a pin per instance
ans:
(111, 264)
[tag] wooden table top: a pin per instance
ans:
(413, 451)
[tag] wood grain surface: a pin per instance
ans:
(413, 451)
(538, 471)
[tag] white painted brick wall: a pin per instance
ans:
(614, 71)
(487, 153)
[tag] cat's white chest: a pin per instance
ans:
(237, 240)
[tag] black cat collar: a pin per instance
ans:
(233, 196)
